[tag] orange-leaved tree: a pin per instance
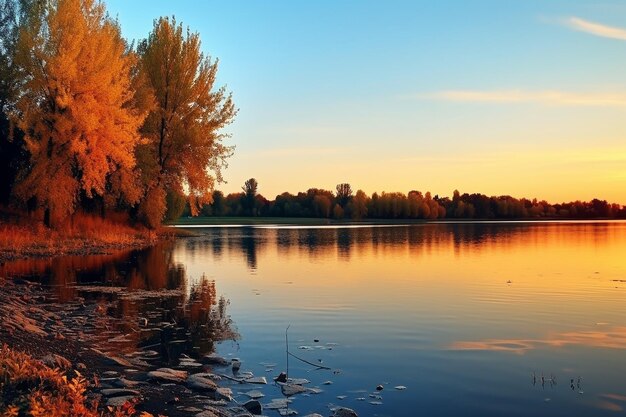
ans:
(183, 150)
(76, 108)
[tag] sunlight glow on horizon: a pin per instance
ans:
(522, 98)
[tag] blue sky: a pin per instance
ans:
(526, 98)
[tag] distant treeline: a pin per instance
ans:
(343, 203)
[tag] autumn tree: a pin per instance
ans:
(184, 148)
(9, 148)
(75, 107)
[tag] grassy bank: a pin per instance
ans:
(194, 221)
(299, 221)
(22, 238)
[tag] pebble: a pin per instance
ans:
(118, 392)
(119, 401)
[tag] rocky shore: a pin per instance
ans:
(79, 336)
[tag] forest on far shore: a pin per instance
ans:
(344, 203)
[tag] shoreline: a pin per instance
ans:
(193, 222)
(66, 336)
(54, 244)
(51, 244)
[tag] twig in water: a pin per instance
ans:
(317, 365)
(287, 348)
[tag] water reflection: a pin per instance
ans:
(461, 314)
(613, 338)
(462, 238)
(138, 299)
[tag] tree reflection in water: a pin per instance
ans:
(126, 301)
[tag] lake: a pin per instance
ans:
(473, 319)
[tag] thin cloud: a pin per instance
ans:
(294, 152)
(545, 97)
(595, 28)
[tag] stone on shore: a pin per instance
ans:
(168, 375)
(207, 413)
(56, 361)
(125, 383)
(214, 360)
(118, 392)
(119, 401)
(224, 394)
(200, 383)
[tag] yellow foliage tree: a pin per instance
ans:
(77, 107)
(183, 149)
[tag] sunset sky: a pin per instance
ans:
(526, 98)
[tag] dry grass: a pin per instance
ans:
(23, 236)
(30, 388)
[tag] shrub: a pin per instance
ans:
(30, 388)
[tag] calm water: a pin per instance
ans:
(468, 317)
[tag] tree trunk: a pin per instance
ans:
(46, 217)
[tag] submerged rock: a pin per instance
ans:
(254, 407)
(292, 389)
(255, 394)
(277, 404)
(298, 381)
(345, 412)
(257, 380)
